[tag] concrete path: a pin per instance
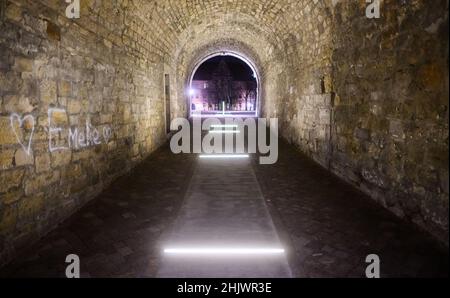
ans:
(224, 209)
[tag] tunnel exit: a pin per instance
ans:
(224, 84)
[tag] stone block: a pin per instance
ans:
(22, 158)
(325, 116)
(17, 104)
(22, 64)
(74, 106)
(10, 179)
(396, 129)
(58, 118)
(39, 182)
(8, 219)
(53, 31)
(7, 135)
(48, 92)
(362, 134)
(11, 197)
(61, 158)
(30, 207)
(14, 13)
(72, 171)
(444, 181)
(431, 76)
(6, 159)
(65, 88)
(42, 163)
(328, 84)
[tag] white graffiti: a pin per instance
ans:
(21, 121)
(78, 138)
(107, 133)
(53, 130)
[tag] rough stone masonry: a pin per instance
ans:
(82, 100)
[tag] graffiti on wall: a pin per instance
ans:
(78, 138)
(17, 130)
(23, 128)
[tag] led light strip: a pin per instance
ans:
(224, 251)
(224, 156)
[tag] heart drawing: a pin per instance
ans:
(107, 133)
(21, 121)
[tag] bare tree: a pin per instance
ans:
(248, 91)
(223, 83)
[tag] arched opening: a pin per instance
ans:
(224, 84)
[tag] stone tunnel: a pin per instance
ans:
(86, 103)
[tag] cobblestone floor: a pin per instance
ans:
(327, 227)
(331, 227)
(115, 235)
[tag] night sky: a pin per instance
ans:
(239, 69)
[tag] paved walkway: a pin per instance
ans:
(117, 234)
(224, 213)
(331, 227)
(325, 225)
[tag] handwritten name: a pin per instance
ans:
(78, 138)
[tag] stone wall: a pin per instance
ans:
(81, 102)
(390, 112)
(368, 99)
(306, 101)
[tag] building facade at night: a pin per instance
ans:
(205, 96)
(223, 91)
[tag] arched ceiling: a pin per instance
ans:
(280, 37)
(181, 26)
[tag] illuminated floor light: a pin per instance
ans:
(224, 251)
(211, 156)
